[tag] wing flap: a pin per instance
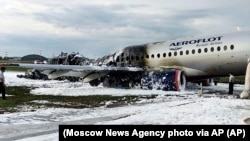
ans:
(78, 67)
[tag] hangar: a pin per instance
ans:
(33, 57)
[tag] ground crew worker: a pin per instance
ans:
(2, 84)
(231, 83)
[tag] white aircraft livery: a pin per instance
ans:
(165, 65)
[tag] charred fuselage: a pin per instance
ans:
(131, 56)
(137, 56)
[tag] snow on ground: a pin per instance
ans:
(213, 107)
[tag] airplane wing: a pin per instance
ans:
(87, 72)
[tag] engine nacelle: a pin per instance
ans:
(170, 80)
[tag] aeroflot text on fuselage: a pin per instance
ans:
(204, 40)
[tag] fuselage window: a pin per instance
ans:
(181, 52)
(193, 51)
(175, 53)
(152, 56)
(225, 48)
(212, 49)
(169, 54)
(187, 52)
(137, 58)
(142, 57)
(205, 50)
(132, 58)
(232, 47)
(158, 55)
(147, 56)
(199, 50)
(164, 55)
(218, 48)
(118, 59)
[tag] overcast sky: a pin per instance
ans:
(99, 27)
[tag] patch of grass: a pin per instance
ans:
(238, 79)
(20, 97)
(15, 68)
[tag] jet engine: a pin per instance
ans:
(170, 80)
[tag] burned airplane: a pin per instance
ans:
(165, 65)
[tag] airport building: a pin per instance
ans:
(33, 57)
